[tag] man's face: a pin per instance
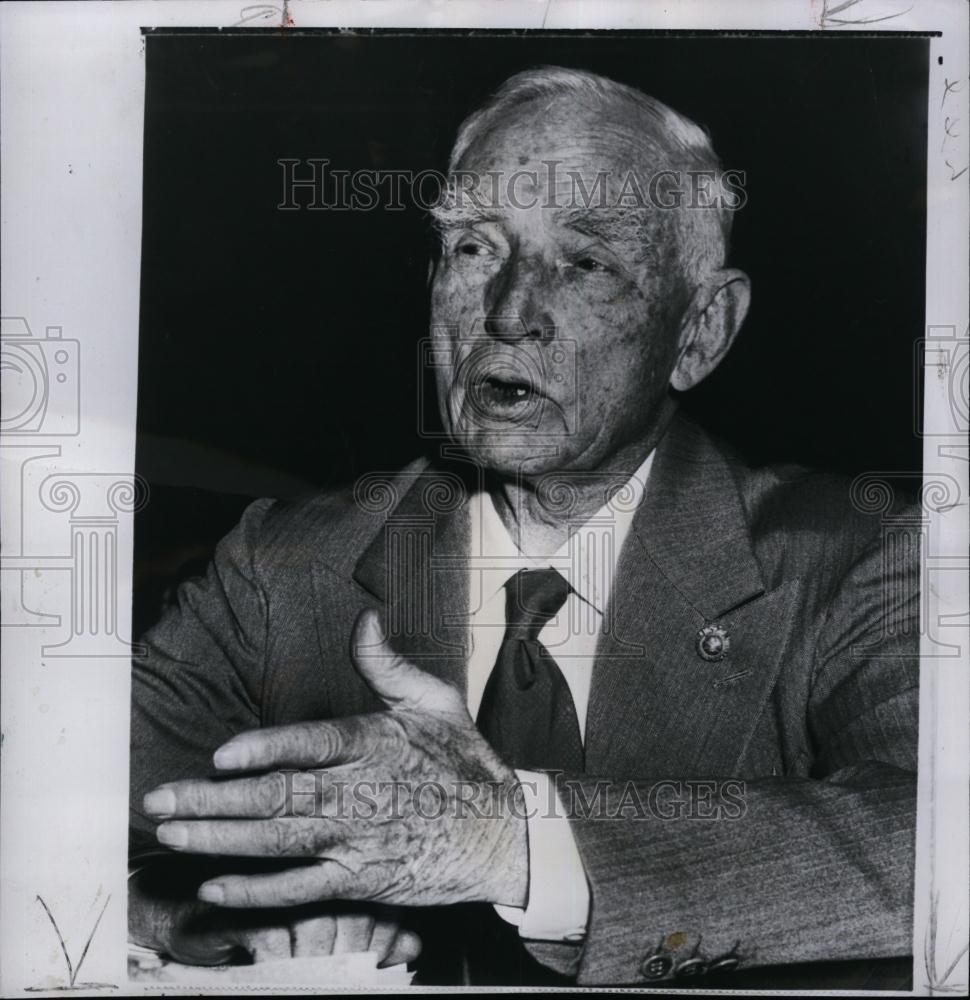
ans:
(555, 325)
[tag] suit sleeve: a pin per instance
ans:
(200, 680)
(802, 869)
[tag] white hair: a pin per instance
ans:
(684, 145)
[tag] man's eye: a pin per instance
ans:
(591, 265)
(471, 248)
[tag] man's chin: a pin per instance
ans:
(510, 454)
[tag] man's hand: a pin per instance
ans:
(407, 806)
(197, 933)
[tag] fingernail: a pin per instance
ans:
(229, 758)
(173, 834)
(212, 893)
(161, 802)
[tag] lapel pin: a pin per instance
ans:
(713, 643)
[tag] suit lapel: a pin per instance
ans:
(417, 568)
(657, 707)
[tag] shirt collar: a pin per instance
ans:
(587, 559)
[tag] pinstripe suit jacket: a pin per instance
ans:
(808, 725)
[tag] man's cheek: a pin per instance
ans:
(446, 297)
(459, 312)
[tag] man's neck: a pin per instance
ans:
(539, 513)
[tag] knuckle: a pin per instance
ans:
(289, 837)
(269, 795)
(279, 838)
(331, 742)
(205, 799)
(192, 798)
(309, 741)
(393, 737)
(242, 892)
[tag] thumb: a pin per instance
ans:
(398, 682)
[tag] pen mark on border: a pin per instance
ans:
(545, 14)
(256, 11)
(73, 970)
(826, 17)
(954, 176)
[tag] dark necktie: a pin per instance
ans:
(527, 712)
(528, 716)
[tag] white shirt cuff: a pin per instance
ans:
(558, 904)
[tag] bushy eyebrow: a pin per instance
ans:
(623, 229)
(448, 214)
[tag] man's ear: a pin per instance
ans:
(710, 324)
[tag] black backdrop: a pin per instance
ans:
(278, 349)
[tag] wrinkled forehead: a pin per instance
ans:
(562, 175)
(555, 146)
(556, 167)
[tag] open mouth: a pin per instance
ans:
(496, 393)
(499, 386)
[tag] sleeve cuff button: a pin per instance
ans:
(691, 968)
(656, 966)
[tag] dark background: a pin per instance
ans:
(278, 350)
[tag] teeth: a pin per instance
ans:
(509, 391)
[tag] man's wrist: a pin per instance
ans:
(558, 899)
(511, 872)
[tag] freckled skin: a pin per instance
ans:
(621, 313)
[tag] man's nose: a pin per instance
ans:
(516, 304)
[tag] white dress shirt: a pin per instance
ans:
(558, 900)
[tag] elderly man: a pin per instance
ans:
(586, 696)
